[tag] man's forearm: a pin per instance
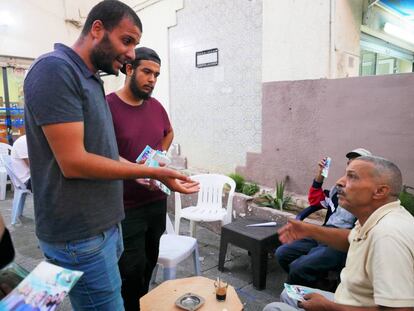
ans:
(334, 237)
(92, 166)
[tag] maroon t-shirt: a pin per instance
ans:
(136, 127)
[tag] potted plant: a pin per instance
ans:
(278, 200)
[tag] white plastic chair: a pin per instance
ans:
(20, 190)
(6, 150)
(173, 250)
(209, 204)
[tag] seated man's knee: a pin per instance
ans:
(282, 256)
(281, 251)
(297, 267)
(297, 272)
(277, 306)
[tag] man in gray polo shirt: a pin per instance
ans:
(75, 167)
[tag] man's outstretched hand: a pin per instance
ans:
(176, 181)
(293, 230)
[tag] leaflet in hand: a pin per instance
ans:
(43, 289)
(263, 224)
(153, 158)
(325, 169)
(297, 292)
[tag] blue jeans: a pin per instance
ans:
(99, 288)
(306, 261)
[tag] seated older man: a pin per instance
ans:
(308, 261)
(379, 271)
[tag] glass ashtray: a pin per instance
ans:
(189, 301)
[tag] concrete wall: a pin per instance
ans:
(295, 40)
(216, 111)
(310, 39)
(37, 24)
(346, 33)
(157, 17)
(304, 121)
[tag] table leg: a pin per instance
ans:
(223, 251)
(259, 267)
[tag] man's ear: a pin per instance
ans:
(129, 70)
(382, 191)
(97, 29)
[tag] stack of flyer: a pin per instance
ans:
(43, 289)
(155, 158)
(297, 292)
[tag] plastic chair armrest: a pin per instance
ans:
(307, 211)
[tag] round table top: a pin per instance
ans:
(163, 296)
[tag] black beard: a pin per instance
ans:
(136, 91)
(103, 55)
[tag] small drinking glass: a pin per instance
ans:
(221, 289)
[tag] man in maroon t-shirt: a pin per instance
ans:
(140, 120)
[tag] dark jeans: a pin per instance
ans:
(306, 261)
(28, 184)
(142, 229)
(6, 248)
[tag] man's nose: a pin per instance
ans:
(152, 78)
(341, 182)
(130, 55)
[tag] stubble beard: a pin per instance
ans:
(103, 56)
(135, 90)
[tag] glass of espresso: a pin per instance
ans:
(221, 289)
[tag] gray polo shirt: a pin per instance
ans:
(59, 88)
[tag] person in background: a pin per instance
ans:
(76, 172)
(140, 120)
(308, 261)
(379, 270)
(20, 161)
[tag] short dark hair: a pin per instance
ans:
(110, 13)
(142, 53)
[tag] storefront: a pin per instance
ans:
(12, 72)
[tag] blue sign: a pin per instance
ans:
(405, 8)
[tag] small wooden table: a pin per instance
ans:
(163, 297)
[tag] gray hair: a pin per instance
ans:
(388, 170)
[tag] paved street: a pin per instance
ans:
(237, 267)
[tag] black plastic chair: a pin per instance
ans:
(312, 209)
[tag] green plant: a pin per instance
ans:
(407, 199)
(277, 200)
(239, 180)
(250, 189)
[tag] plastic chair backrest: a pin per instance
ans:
(17, 183)
(169, 228)
(211, 189)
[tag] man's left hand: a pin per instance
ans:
(315, 302)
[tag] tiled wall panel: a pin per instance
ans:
(216, 111)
